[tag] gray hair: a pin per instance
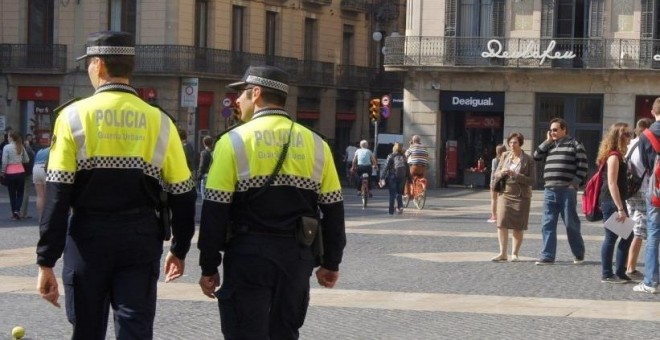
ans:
(417, 139)
(364, 143)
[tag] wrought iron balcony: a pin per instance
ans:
(22, 58)
(594, 53)
(190, 60)
(316, 73)
(354, 5)
(353, 77)
(318, 2)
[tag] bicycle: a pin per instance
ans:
(364, 189)
(417, 192)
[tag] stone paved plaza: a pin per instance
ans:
(421, 275)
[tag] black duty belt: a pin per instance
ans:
(267, 232)
(134, 211)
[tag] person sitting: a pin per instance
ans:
(363, 162)
(418, 160)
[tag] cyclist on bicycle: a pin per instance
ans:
(418, 160)
(363, 162)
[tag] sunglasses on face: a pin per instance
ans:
(554, 130)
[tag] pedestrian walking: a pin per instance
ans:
(14, 156)
(112, 155)
(518, 170)
(204, 163)
(260, 216)
(27, 191)
(394, 176)
(636, 204)
(610, 155)
(564, 171)
(39, 177)
(495, 162)
(651, 267)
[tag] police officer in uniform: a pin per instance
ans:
(112, 154)
(266, 269)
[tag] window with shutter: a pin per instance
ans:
(646, 29)
(547, 18)
(597, 19)
(450, 18)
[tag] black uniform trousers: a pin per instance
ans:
(265, 288)
(112, 260)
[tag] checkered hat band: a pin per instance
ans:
(110, 50)
(273, 84)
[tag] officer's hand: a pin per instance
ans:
(209, 284)
(326, 277)
(173, 267)
(47, 285)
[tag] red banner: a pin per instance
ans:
(488, 122)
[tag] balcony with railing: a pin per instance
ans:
(318, 2)
(190, 60)
(354, 5)
(574, 53)
(23, 58)
(354, 77)
(316, 73)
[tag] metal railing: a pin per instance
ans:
(23, 58)
(596, 53)
(354, 77)
(318, 2)
(316, 73)
(354, 5)
(192, 60)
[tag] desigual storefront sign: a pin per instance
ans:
(472, 101)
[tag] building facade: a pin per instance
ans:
(477, 70)
(189, 50)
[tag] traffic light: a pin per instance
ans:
(374, 109)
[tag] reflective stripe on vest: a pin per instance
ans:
(78, 133)
(243, 166)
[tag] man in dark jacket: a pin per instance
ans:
(650, 282)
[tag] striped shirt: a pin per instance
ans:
(565, 162)
(417, 155)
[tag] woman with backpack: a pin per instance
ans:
(394, 175)
(611, 197)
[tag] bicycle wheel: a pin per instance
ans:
(365, 194)
(406, 200)
(420, 200)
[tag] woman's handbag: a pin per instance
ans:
(500, 185)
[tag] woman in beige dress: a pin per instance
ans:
(513, 203)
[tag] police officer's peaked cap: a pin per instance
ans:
(265, 76)
(109, 43)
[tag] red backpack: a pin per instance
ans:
(654, 178)
(591, 195)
